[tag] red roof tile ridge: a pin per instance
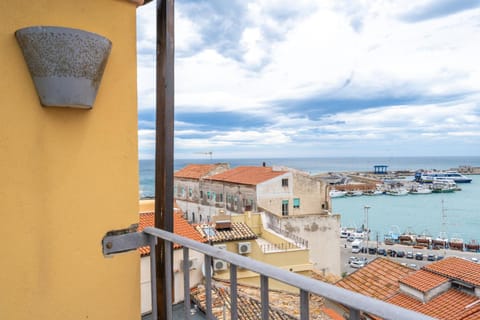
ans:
(423, 280)
(249, 175)
(456, 268)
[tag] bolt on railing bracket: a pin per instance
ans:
(123, 240)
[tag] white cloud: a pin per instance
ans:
(331, 49)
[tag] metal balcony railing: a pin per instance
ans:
(355, 302)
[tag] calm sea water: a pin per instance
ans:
(460, 216)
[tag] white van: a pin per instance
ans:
(357, 246)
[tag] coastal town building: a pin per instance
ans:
(291, 203)
(447, 289)
(230, 233)
(281, 191)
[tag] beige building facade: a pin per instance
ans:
(293, 204)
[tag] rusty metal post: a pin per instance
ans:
(164, 148)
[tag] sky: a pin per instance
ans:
(308, 78)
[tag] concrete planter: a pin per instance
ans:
(66, 64)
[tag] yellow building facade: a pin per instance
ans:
(67, 176)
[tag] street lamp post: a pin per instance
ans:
(367, 233)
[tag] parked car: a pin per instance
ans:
(351, 259)
(381, 252)
(409, 255)
(357, 264)
(372, 250)
(439, 258)
(413, 266)
(392, 253)
(431, 257)
(400, 254)
(474, 259)
(418, 256)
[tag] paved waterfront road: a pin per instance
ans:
(346, 253)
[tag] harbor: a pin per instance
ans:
(397, 183)
(420, 219)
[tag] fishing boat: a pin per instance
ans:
(354, 193)
(375, 192)
(441, 185)
(424, 239)
(473, 246)
(397, 192)
(337, 193)
(420, 189)
(441, 241)
(407, 238)
(456, 244)
(392, 236)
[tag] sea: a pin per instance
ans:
(455, 215)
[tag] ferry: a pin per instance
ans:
(429, 177)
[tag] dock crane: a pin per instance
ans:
(210, 153)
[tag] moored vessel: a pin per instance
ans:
(472, 246)
(429, 177)
(337, 193)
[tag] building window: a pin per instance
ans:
(201, 194)
(220, 197)
(284, 207)
(190, 192)
(208, 195)
(284, 182)
(296, 202)
(214, 196)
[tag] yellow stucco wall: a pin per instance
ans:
(67, 176)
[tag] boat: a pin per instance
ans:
(397, 192)
(375, 192)
(441, 241)
(456, 244)
(472, 246)
(421, 189)
(337, 193)
(407, 238)
(424, 240)
(392, 236)
(441, 185)
(354, 193)
(429, 177)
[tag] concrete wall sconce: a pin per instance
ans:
(66, 64)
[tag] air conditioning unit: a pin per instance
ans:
(220, 246)
(219, 265)
(191, 263)
(244, 247)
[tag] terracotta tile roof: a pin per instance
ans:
(180, 227)
(450, 305)
(423, 280)
(457, 269)
(378, 279)
(247, 175)
(282, 305)
(195, 171)
(238, 231)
